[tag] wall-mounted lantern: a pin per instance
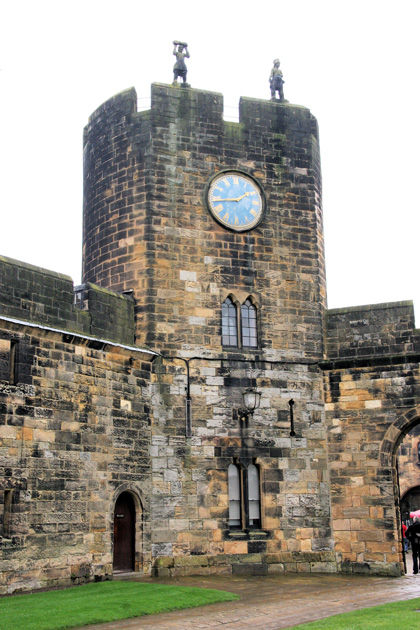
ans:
(251, 401)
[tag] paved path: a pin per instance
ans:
(274, 602)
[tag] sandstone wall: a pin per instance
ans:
(148, 174)
(372, 386)
(74, 429)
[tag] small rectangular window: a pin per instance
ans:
(7, 513)
(9, 360)
(13, 362)
(4, 359)
(234, 483)
(254, 516)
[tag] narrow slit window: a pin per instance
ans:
(229, 323)
(4, 359)
(7, 513)
(249, 324)
(13, 363)
(234, 496)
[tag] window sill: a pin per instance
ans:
(247, 534)
(231, 351)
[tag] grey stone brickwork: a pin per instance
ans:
(371, 331)
(74, 428)
(181, 265)
(49, 299)
(147, 174)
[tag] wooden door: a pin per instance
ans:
(124, 533)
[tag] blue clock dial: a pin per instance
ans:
(236, 201)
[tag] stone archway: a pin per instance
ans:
(395, 434)
(390, 461)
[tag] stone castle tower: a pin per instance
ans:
(125, 442)
(148, 228)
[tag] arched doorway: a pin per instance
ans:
(124, 532)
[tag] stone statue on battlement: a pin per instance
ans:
(180, 68)
(276, 81)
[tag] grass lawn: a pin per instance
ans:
(97, 603)
(398, 616)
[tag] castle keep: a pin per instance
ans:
(125, 444)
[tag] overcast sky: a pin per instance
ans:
(354, 64)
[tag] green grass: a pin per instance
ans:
(398, 616)
(98, 603)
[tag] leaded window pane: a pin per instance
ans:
(249, 324)
(229, 323)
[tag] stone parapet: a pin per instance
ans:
(372, 331)
(47, 298)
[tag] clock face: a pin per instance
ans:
(236, 201)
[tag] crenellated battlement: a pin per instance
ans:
(193, 103)
(49, 299)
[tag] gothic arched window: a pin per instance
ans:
(239, 326)
(249, 324)
(229, 323)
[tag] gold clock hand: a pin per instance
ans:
(231, 198)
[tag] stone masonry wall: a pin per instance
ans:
(371, 331)
(85, 414)
(69, 440)
(372, 396)
(147, 228)
(29, 293)
(190, 480)
(74, 429)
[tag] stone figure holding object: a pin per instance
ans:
(180, 69)
(276, 81)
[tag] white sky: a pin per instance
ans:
(354, 64)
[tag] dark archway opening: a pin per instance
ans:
(410, 502)
(408, 473)
(124, 533)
